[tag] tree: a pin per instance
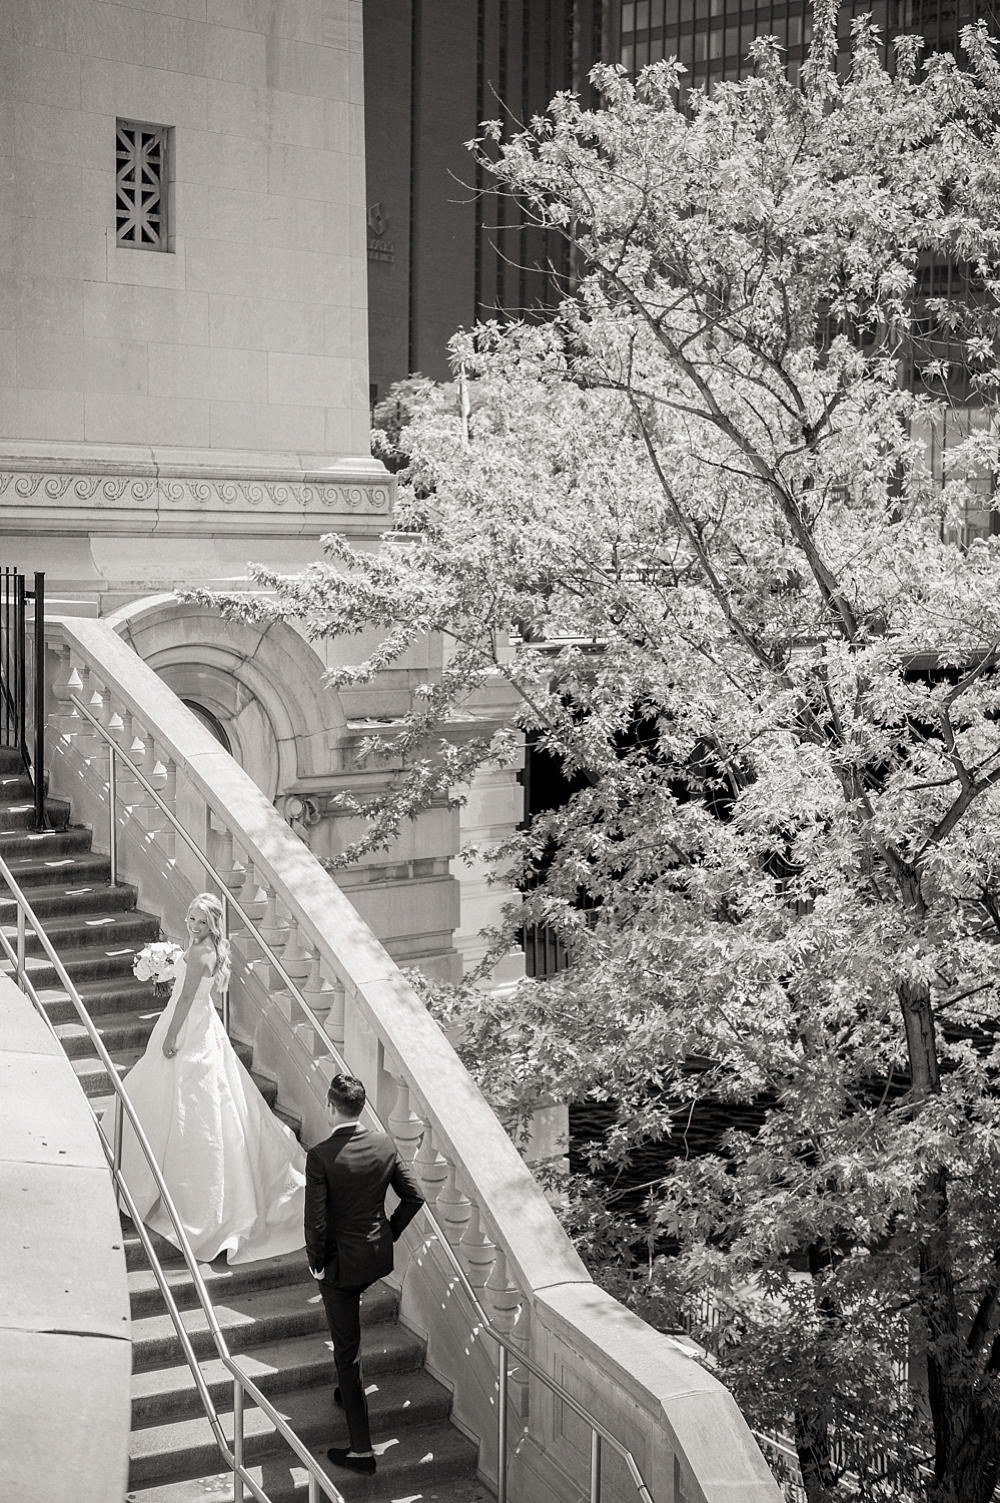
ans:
(681, 505)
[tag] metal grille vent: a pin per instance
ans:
(141, 185)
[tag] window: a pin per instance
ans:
(141, 185)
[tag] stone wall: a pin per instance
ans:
(65, 1353)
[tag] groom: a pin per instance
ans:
(349, 1241)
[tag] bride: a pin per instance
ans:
(234, 1172)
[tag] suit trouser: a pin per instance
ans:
(343, 1316)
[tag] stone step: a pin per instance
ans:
(111, 961)
(103, 999)
(63, 900)
(43, 845)
(122, 1032)
(284, 1481)
(403, 1407)
(15, 786)
(19, 814)
(224, 1281)
(166, 1393)
(247, 1321)
(45, 867)
(104, 930)
(11, 760)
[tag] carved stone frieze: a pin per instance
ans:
(192, 494)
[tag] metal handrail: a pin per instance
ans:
(505, 1344)
(317, 1478)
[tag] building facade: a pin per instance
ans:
(184, 269)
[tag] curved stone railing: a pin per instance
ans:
(64, 1307)
(683, 1428)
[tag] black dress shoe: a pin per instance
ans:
(339, 1457)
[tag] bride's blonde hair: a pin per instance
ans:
(212, 909)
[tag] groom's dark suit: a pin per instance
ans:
(349, 1237)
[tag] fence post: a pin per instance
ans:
(39, 757)
(112, 804)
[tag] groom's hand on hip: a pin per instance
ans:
(317, 1274)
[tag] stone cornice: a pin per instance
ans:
(142, 495)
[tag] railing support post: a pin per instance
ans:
(225, 935)
(595, 1467)
(20, 947)
(112, 808)
(237, 1441)
(502, 1426)
(119, 1129)
(39, 757)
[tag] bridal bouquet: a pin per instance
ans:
(157, 962)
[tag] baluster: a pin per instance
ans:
(406, 1127)
(71, 720)
(120, 726)
(62, 673)
(430, 1167)
(476, 1251)
(168, 835)
(506, 1308)
(336, 1020)
(224, 861)
(253, 896)
(273, 927)
(148, 813)
(317, 990)
(130, 790)
(296, 957)
(502, 1298)
(253, 901)
(454, 1207)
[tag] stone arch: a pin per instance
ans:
(262, 683)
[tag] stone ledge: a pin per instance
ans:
(74, 489)
(65, 1352)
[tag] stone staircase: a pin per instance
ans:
(270, 1312)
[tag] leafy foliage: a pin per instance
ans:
(676, 508)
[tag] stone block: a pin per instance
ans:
(44, 133)
(248, 425)
(308, 276)
(207, 372)
(145, 313)
(307, 380)
(167, 98)
(115, 418)
(177, 421)
(145, 268)
(304, 68)
(301, 20)
(225, 265)
(29, 414)
(222, 160)
(82, 1458)
(115, 365)
(304, 172)
(44, 75)
(49, 362)
(113, 32)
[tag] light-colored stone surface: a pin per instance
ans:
(119, 345)
(65, 1356)
(687, 1435)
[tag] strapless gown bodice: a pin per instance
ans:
(235, 1173)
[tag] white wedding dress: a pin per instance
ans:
(235, 1173)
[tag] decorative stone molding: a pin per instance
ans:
(176, 494)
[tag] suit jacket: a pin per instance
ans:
(347, 1231)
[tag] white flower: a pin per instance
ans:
(157, 961)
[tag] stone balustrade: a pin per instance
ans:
(687, 1435)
